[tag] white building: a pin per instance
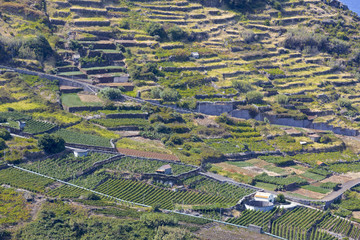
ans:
(80, 152)
(264, 197)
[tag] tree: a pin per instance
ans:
(282, 99)
(125, 24)
(4, 134)
(170, 95)
(92, 196)
(176, 33)
(280, 198)
(156, 29)
(110, 93)
(2, 144)
(51, 143)
(165, 233)
(344, 102)
(254, 97)
(241, 86)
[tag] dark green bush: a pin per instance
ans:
(254, 97)
(51, 143)
(156, 29)
(4, 134)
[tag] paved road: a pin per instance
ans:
(346, 186)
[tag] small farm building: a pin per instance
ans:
(195, 55)
(264, 197)
(166, 169)
(315, 137)
(21, 124)
(80, 152)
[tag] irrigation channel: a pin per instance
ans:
(137, 204)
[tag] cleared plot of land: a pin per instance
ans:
(86, 98)
(145, 154)
(74, 100)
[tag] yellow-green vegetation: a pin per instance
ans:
(24, 105)
(59, 118)
(19, 147)
(143, 145)
(89, 128)
(233, 175)
(13, 207)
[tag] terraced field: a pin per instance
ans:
(149, 195)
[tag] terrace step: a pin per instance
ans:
(86, 3)
(75, 75)
(171, 8)
(62, 4)
(166, 17)
(89, 11)
(91, 23)
(99, 44)
(102, 70)
(118, 9)
(134, 43)
(67, 69)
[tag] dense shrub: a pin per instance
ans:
(344, 102)
(154, 220)
(2, 144)
(35, 48)
(282, 99)
(175, 139)
(301, 38)
(241, 86)
(125, 24)
(155, 92)
(176, 33)
(170, 95)
(4, 134)
(254, 97)
(156, 29)
(111, 93)
(248, 36)
(51, 143)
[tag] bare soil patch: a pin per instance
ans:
(234, 169)
(356, 214)
(337, 179)
(229, 233)
(89, 98)
(352, 175)
(309, 194)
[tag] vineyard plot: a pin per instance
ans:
(295, 224)
(258, 218)
(35, 127)
(136, 165)
(340, 226)
(209, 186)
(25, 180)
(83, 138)
(67, 191)
(142, 193)
(66, 166)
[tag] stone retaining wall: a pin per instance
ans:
(249, 155)
(96, 165)
(83, 108)
(127, 115)
(173, 178)
(82, 146)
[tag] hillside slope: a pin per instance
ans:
(299, 57)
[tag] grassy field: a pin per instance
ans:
(73, 100)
